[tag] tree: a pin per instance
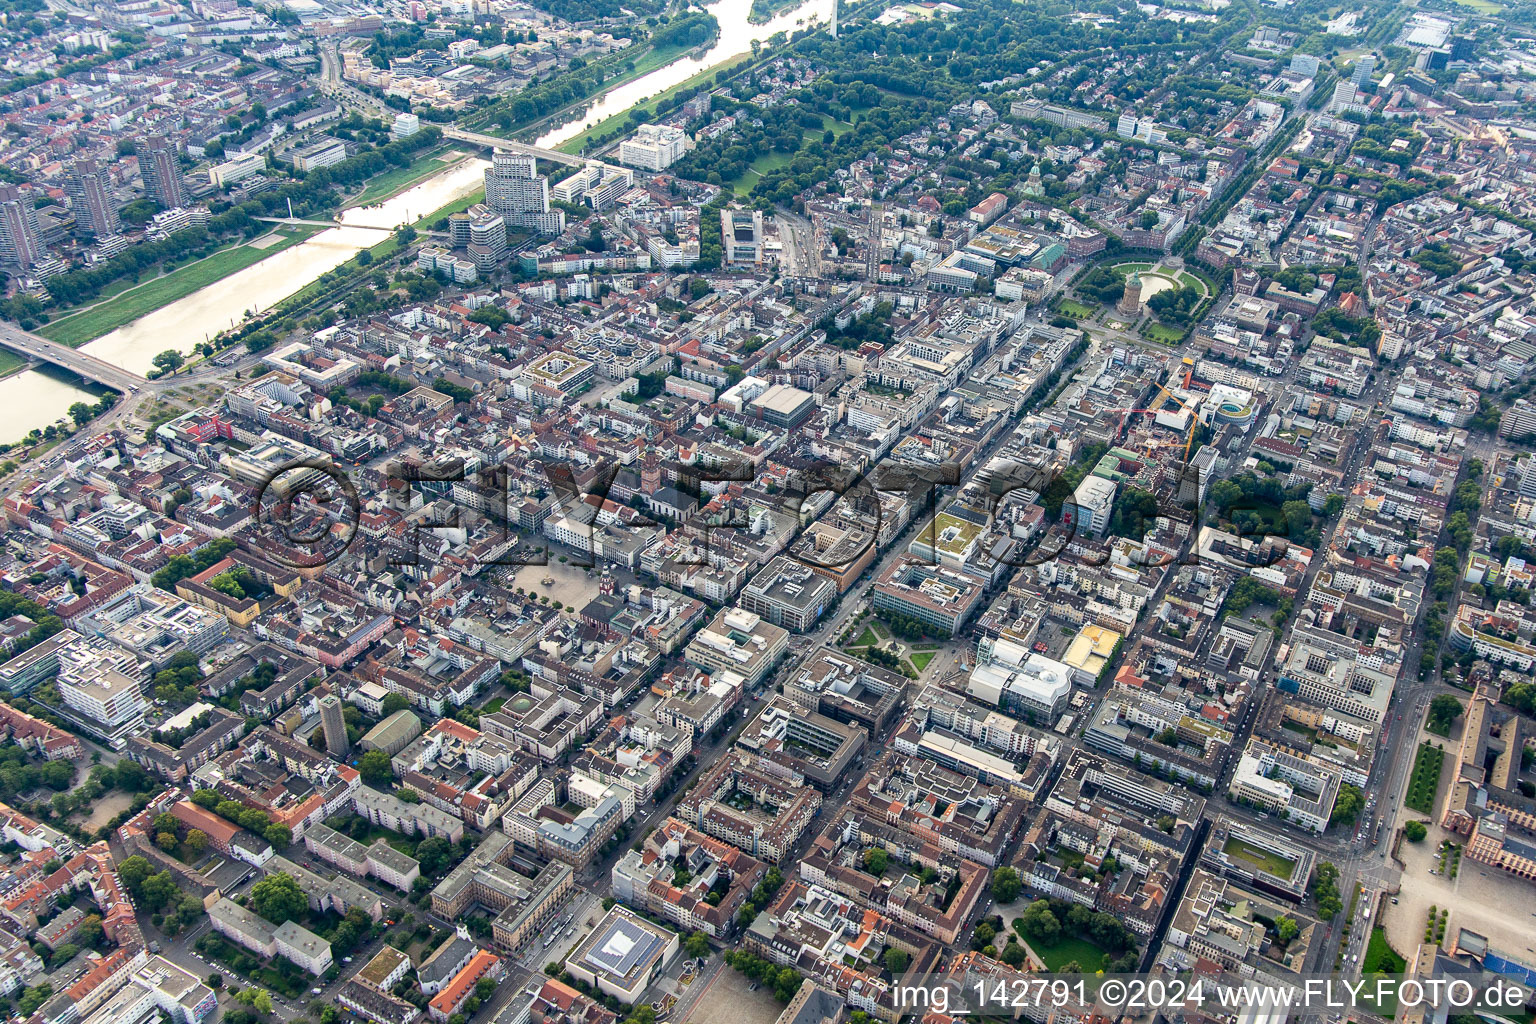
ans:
(1286, 929)
(1006, 885)
(278, 898)
(876, 860)
(1415, 831)
(91, 932)
(375, 767)
(1443, 711)
(159, 890)
(1013, 954)
(432, 854)
(1038, 922)
(166, 841)
(1347, 806)
(33, 998)
(697, 945)
(278, 835)
(896, 960)
(197, 840)
(169, 360)
(133, 872)
(392, 703)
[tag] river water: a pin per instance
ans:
(736, 37)
(32, 399)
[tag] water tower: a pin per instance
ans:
(1130, 302)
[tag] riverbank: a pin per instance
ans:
(729, 67)
(653, 59)
(106, 315)
(392, 183)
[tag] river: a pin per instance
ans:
(31, 399)
(736, 37)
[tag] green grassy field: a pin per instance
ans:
(920, 659)
(457, 206)
(1164, 334)
(759, 167)
(391, 183)
(576, 144)
(127, 306)
(1262, 859)
(1381, 958)
(1087, 954)
(10, 362)
(1075, 310)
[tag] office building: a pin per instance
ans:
(105, 701)
(1364, 68)
(404, 126)
(623, 955)
(738, 641)
(91, 199)
(160, 167)
(1023, 682)
(20, 244)
(515, 189)
(323, 152)
(654, 147)
(788, 594)
(742, 233)
(940, 597)
(1088, 511)
(335, 725)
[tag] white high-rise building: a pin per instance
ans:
(404, 126)
(515, 189)
(20, 245)
(654, 147)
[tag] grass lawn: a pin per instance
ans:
(1124, 269)
(392, 182)
(866, 638)
(1263, 859)
(129, 305)
(10, 362)
(1188, 280)
(1164, 334)
(1075, 310)
(1381, 958)
(457, 206)
(920, 659)
(575, 144)
(759, 167)
(1088, 955)
(1482, 6)
(828, 123)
